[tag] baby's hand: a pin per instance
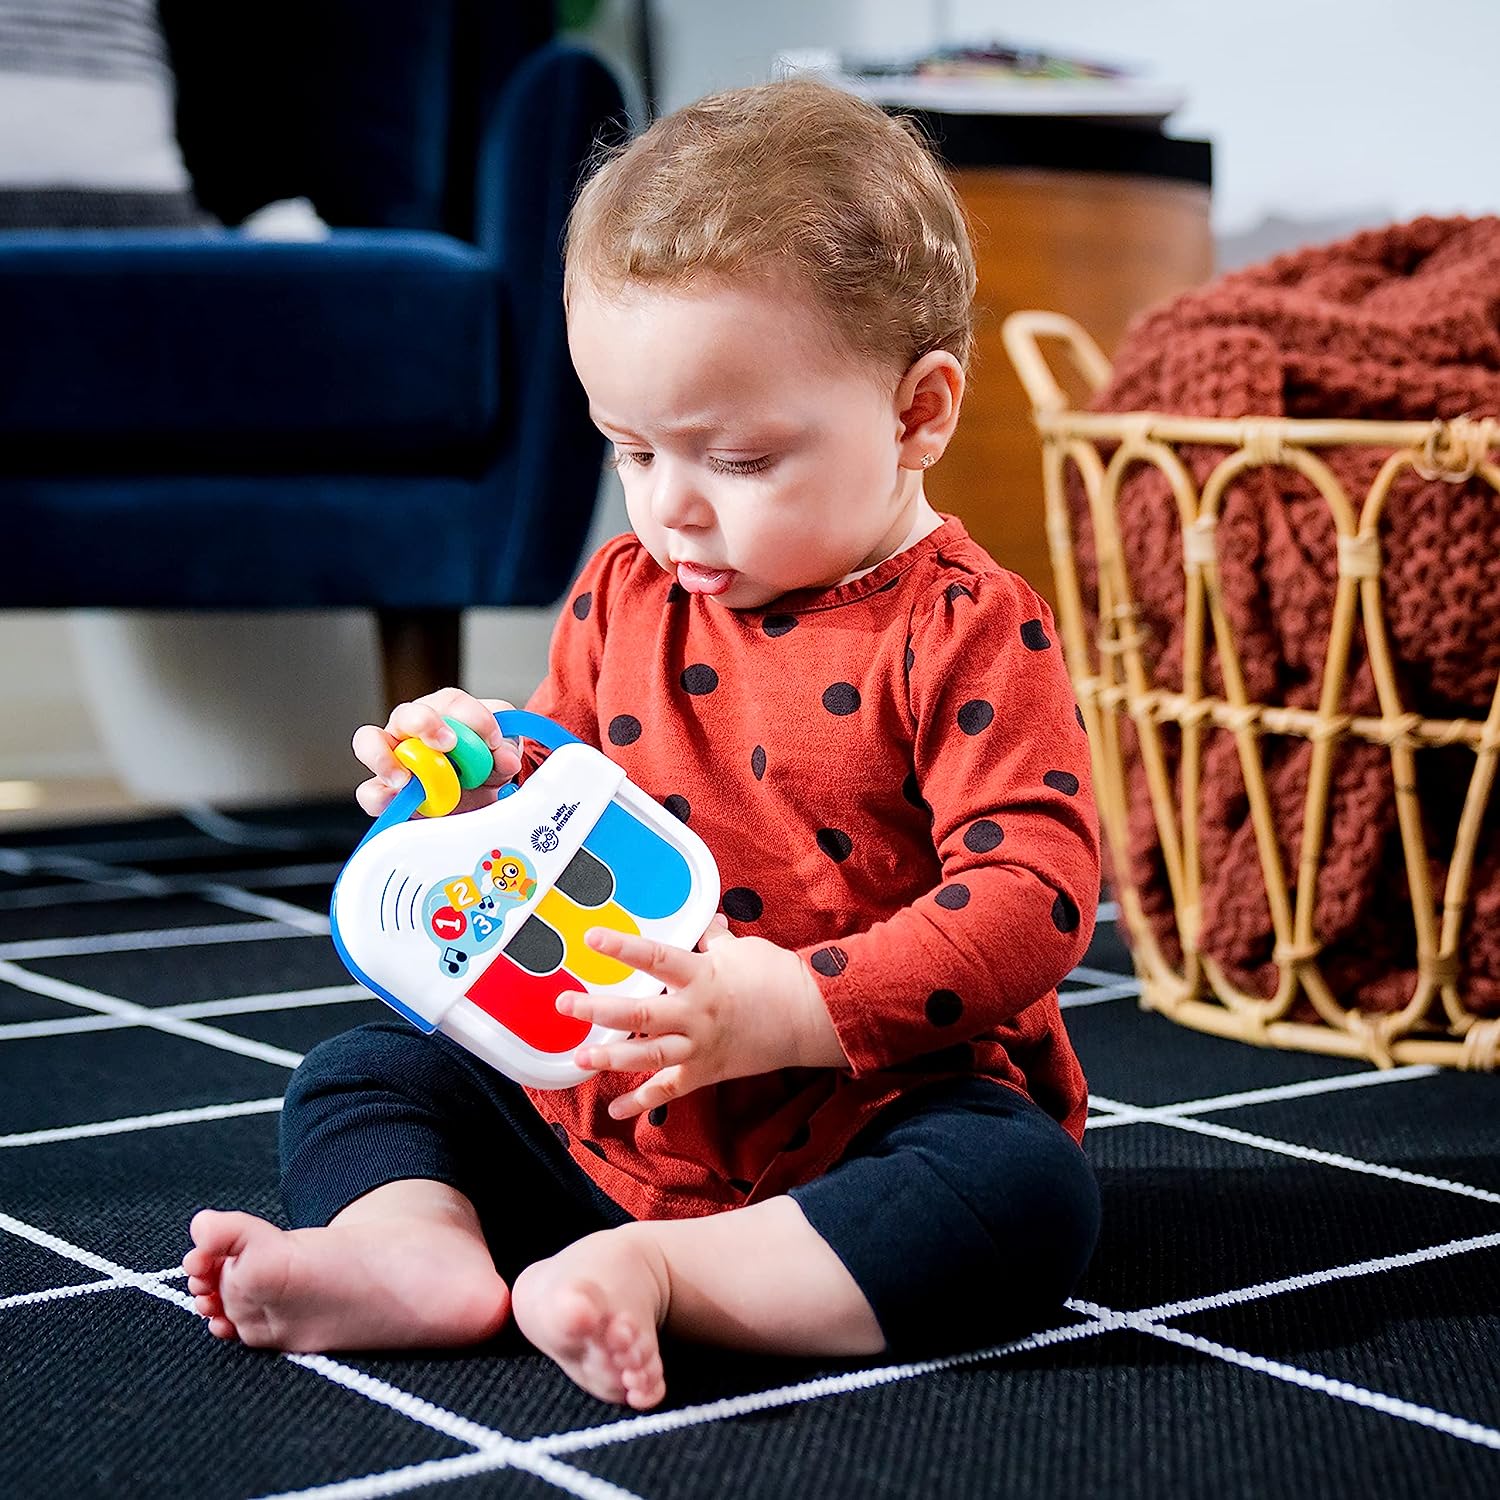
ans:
(423, 720)
(735, 1007)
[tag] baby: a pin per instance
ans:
(851, 1122)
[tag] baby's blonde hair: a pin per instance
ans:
(788, 179)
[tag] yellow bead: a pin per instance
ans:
(435, 771)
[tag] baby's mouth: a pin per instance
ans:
(700, 580)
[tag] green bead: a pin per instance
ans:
(470, 756)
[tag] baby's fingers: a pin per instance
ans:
(374, 796)
(673, 966)
(661, 1088)
(372, 748)
(422, 720)
(644, 1054)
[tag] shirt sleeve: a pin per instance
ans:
(568, 693)
(1001, 757)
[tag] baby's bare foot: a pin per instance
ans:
(366, 1284)
(595, 1309)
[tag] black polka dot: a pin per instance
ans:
(775, 625)
(842, 698)
(913, 793)
(976, 715)
(699, 679)
(582, 605)
(944, 1007)
(560, 1131)
(758, 761)
(1064, 913)
(1078, 714)
(740, 1185)
(1034, 636)
(679, 807)
(676, 594)
(798, 1139)
(658, 1116)
(743, 904)
(624, 729)
(886, 587)
(595, 1147)
(983, 836)
(953, 897)
(958, 591)
(835, 843)
(829, 962)
(911, 658)
(1062, 781)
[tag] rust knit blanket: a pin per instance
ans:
(1395, 324)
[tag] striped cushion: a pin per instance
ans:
(86, 131)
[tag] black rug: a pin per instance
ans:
(1297, 1290)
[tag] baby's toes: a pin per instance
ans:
(644, 1386)
(201, 1264)
(222, 1328)
(208, 1305)
(199, 1286)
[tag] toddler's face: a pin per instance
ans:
(756, 457)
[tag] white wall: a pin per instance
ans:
(1321, 110)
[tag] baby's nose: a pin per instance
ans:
(677, 501)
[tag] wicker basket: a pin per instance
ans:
(1112, 679)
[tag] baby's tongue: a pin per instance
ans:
(698, 580)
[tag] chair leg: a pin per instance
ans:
(420, 651)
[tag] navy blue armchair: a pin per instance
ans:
(386, 418)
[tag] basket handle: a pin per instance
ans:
(1023, 331)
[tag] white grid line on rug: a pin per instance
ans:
(1100, 1320)
(192, 1010)
(165, 937)
(122, 852)
(89, 892)
(1171, 1115)
(1296, 1150)
(209, 888)
(145, 1015)
(132, 1123)
(1135, 1114)
(1103, 1320)
(1072, 999)
(87, 1288)
(1340, 1390)
(503, 1451)
(414, 1476)
(1108, 978)
(1119, 1113)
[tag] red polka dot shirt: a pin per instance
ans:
(893, 777)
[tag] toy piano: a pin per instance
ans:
(473, 925)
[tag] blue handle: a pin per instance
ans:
(518, 721)
(512, 722)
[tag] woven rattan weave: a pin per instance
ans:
(1112, 676)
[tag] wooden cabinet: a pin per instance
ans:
(1098, 245)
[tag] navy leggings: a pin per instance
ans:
(964, 1212)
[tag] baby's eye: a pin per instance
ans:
(624, 458)
(740, 465)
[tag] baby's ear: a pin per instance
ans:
(927, 404)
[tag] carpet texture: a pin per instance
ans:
(1297, 1289)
